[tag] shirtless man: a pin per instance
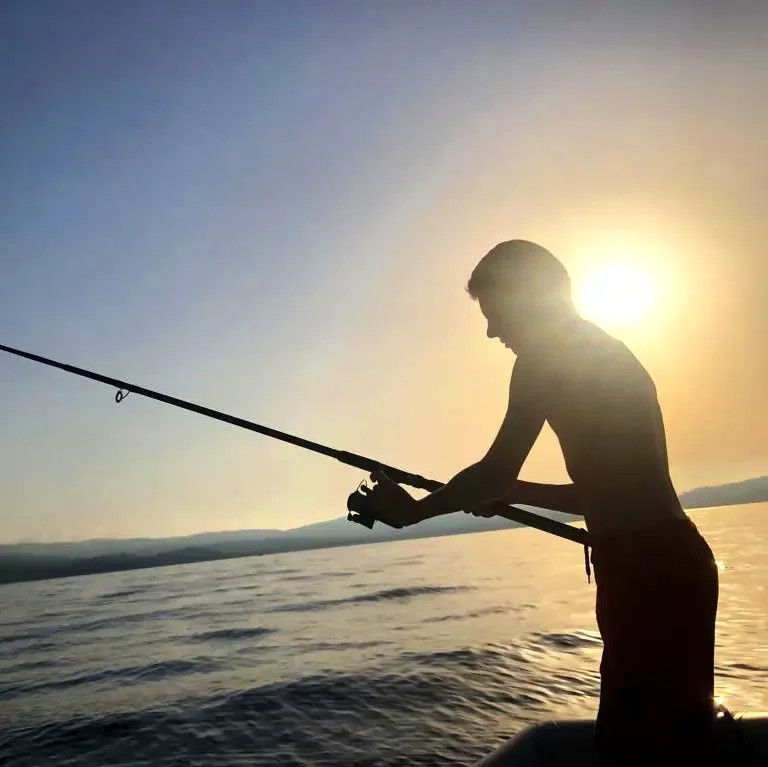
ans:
(656, 578)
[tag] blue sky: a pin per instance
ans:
(271, 208)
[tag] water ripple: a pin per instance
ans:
(377, 596)
(126, 675)
(230, 634)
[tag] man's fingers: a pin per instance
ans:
(486, 510)
(377, 475)
(382, 480)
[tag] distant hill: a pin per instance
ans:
(37, 561)
(99, 546)
(747, 491)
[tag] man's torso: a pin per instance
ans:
(602, 405)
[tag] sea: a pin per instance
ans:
(425, 652)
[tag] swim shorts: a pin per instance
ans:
(657, 592)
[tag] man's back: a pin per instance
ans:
(602, 405)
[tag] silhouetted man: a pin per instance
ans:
(657, 584)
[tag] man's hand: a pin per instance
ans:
(391, 504)
(489, 509)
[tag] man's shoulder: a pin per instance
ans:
(590, 356)
(596, 344)
(609, 364)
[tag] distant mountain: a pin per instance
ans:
(98, 546)
(36, 561)
(747, 491)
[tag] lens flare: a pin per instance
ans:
(616, 294)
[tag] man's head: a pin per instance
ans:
(523, 291)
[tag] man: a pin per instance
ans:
(657, 584)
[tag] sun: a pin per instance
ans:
(617, 295)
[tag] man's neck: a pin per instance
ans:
(551, 337)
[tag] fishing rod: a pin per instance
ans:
(358, 502)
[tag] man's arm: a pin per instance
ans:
(494, 475)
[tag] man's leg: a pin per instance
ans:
(656, 613)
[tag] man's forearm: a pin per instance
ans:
(475, 485)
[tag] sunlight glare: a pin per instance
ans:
(617, 294)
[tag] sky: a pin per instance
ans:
(272, 209)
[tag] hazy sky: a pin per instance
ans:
(272, 208)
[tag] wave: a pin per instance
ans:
(463, 684)
(494, 610)
(750, 667)
(575, 640)
(75, 732)
(19, 650)
(233, 634)
(403, 593)
(284, 571)
(31, 665)
(100, 624)
(339, 646)
(429, 708)
(151, 672)
(741, 671)
(468, 658)
(312, 576)
(409, 560)
(122, 593)
(234, 589)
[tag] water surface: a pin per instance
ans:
(426, 652)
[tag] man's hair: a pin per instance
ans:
(519, 265)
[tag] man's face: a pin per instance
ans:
(506, 317)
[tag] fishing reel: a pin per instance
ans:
(359, 506)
